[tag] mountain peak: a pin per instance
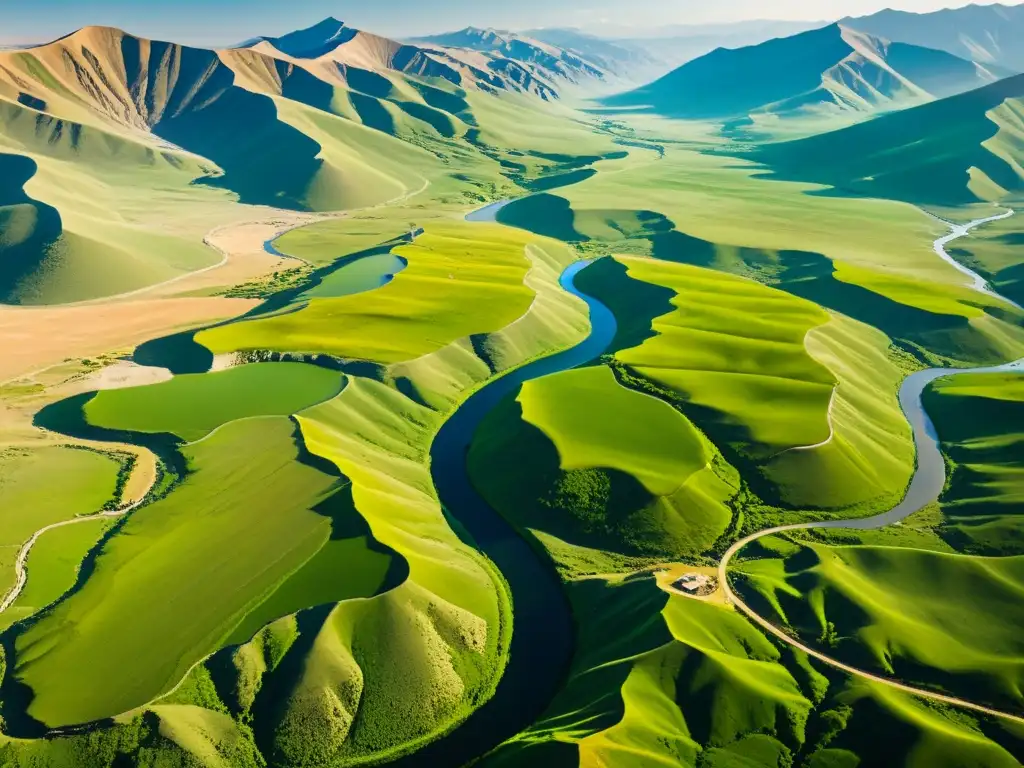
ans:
(317, 40)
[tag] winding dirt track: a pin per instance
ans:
(910, 397)
(19, 565)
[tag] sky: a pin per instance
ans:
(224, 22)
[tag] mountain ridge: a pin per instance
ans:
(832, 69)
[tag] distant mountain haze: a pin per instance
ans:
(988, 34)
(544, 59)
(833, 69)
(219, 23)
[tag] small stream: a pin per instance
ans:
(978, 283)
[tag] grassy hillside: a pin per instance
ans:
(953, 151)
(947, 622)
(667, 680)
(980, 421)
(462, 279)
(199, 584)
(122, 153)
(783, 234)
(578, 459)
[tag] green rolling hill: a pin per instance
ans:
(957, 150)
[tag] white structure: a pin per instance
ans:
(692, 583)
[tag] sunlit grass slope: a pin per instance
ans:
(720, 347)
(86, 482)
(191, 406)
(187, 571)
(656, 680)
(462, 279)
(578, 457)
(948, 622)
(980, 421)
(595, 422)
(705, 210)
(86, 213)
(53, 566)
(318, 677)
(663, 680)
(731, 345)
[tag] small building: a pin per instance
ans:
(692, 583)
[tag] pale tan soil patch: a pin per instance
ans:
(124, 373)
(242, 244)
(35, 338)
(666, 575)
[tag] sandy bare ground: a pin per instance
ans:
(124, 373)
(36, 338)
(243, 256)
(667, 575)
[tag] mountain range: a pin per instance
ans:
(988, 34)
(832, 69)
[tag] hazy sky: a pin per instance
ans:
(221, 22)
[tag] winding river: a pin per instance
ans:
(542, 640)
(925, 487)
(543, 635)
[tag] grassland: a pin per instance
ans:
(717, 357)
(667, 680)
(953, 151)
(302, 597)
(595, 422)
(53, 566)
(944, 621)
(616, 471)
(32, 501)
(707, 210)
(249, 477)
(327, 241)
(192, 406)
(468, 278)
(980, 420)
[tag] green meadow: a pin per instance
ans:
(54, 565)
(299, 589)
(186, 577)
(943, 621)
(192, 406)
(582, 462)
(667, 680)
(88, 483)
(595, 422)
(980, 421)
(724, 345)
(462, 278)
(701, 207)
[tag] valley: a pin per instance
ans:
(359, 393)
